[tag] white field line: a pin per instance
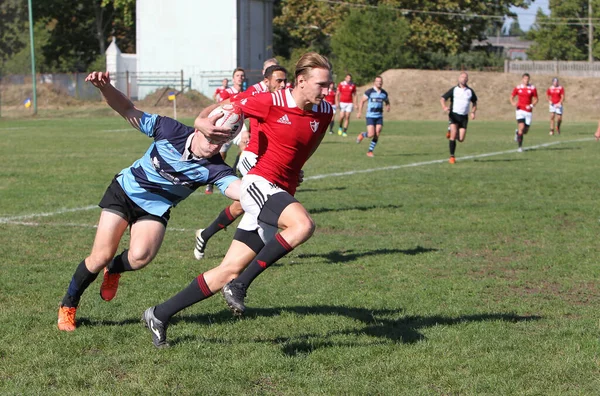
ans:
(13, 128)
(18, 220)
(415, 164)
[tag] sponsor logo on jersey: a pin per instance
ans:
(284, 120)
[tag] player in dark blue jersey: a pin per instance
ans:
(179, 161)
(377, 99)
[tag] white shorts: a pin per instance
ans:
(333, 107)
(346, 107)
(246, 162)
(255, 191)
(558, 109)
(236, 140)
(524, 115)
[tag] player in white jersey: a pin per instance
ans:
(461, 96)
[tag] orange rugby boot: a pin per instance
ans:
(66, 318)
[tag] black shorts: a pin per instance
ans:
(116, 201)
(459, 119)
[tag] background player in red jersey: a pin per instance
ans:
(345, 100)
(275, 79)
(330, 98)
(556, 97)
(527, 98)
(292, 125)
(217, 94)
(239, 76)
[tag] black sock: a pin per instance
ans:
(452, 147)
(82, 278)
(224, 219)
(331, 124)
(273, 251)
(120, 263)
(520, 140)
(345, 129)
(196, 291)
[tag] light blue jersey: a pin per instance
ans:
(376, 101)
(168, 172)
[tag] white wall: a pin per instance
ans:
(207, 39)
(189, 35)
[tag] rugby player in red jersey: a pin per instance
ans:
(275, 79)
(526, 98)
(292, 125)
(345, 100)
(217, 94)
(556, 97)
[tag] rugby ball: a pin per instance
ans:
(233, 119)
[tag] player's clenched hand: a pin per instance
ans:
(214, 134)
(98, 79)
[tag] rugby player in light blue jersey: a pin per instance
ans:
(179, 161)
(377, 97)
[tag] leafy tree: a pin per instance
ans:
(448, 26)
(13, 22)
(369, 42)
(564, 34)
(514, 29)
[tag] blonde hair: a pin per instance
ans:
(309, 61)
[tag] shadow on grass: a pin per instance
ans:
(374, 322)
(499, 160)
(555, 148)
(337, 256)
(303, 190)
(359, 208)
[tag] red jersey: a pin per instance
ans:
(228, 93)
(253, 90)
(218, 91)
(555, 93)
(526, 95)
(346, 91)
(330, 98)
(287, 137)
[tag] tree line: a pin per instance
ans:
(363, 37)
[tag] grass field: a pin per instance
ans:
(422, 278)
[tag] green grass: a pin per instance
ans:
(477, 278)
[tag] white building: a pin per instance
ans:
(200, 39)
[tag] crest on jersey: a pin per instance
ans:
(314, 125)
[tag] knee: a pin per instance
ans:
(139, 257)
(98, 260)
(305, 227)
(236, 209)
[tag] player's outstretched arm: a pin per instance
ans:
(597, 134)
(115, 98)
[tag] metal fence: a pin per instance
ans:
(72, 84)
(555, 68)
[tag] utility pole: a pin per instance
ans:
(590, 33)
(32, 58)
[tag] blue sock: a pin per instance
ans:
(372, 145)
